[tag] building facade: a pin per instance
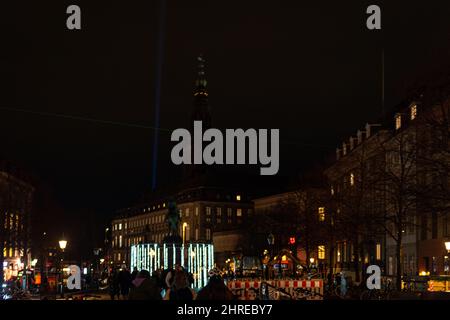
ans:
(204, 212)
(15, 209)
(389, 186)
(298, 220)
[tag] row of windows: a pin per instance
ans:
(412, 116)
(119, 242)
(161, 218)
(344, 253)
(12, 222)
(10, 252)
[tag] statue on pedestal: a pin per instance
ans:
(173, 220)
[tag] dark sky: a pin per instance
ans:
(311, 69)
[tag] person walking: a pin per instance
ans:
(124, 282)
(145, 287)
(113, 282)
(215, 289)
(134, 273)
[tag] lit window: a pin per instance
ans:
(208, 211)
(120, 226)
(239, 212)
(219, 212)
(196, 211)
(238, 197)
(413, 112)
(398, 121)
(164, 205)
(352, 179)
(378, 251)
(321, 252)
(321, 213)
(120, 241)
(332, 190)
(208, 234)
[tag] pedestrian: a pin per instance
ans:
(124, 282)
(179, 289)
(215, 289)
(134, 273)
(145, 287)
(113, 282)
(170, 275)
(343, 285)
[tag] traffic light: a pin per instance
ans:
(292, 240)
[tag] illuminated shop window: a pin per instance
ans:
(321, 213)
(352, 179)
(398, 121)
(413, 112)
(321, 252)
(378, 250)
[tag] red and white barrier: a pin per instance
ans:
(314, 287)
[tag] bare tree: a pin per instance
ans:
(355, 201)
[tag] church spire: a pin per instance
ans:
(201, 82)
(201, 106)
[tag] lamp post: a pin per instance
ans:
(446, 262)
(62, 246)
(184, 232)
(271, 242)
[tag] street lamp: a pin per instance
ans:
(62, 246)
(311, 260)
(271, 242)
(184, 231)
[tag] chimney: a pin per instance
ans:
(352, 143)
(359, 136)
(367, 130)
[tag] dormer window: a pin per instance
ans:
(398, 121)
(352, 179)
(413, 111)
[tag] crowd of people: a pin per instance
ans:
(174, 284)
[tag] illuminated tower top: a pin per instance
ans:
(201, 106)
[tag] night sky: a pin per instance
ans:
(311, 69)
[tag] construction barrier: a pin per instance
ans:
(279, 289)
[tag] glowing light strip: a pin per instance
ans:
(182, 256)
(165, 256)
(174, 255)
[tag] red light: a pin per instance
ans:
(292, 240)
